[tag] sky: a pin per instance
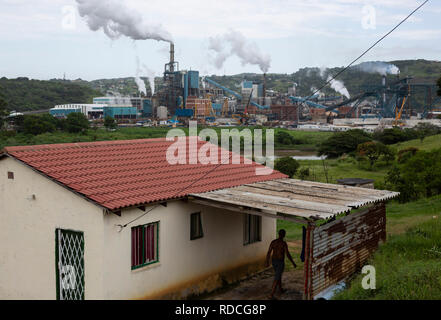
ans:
(45, 39)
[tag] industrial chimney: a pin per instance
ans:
(172, 57)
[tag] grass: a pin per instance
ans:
(309, 140)
(408, 265)
(429, 143)
(344, 168)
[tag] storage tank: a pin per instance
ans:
(161, 113)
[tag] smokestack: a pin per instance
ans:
(172, 57)
(264, 87)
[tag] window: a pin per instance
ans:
(252, 230)
(196, 226)
(10, 175)
(144, 245)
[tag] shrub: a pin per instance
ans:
(395, 135)
(284, 138)
(287, 165)
(417, 177)
(109, 122)
(406, 154)
(35, 125)
(304, 173)
(76, 122)
(343, 142)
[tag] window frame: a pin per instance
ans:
(201, 235)
(143, 226)
(247, 229)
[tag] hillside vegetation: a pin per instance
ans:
(23, 94)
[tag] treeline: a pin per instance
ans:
(23, 94)
(414, 173)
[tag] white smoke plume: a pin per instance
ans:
(115, 19)
(246, 51)
(380, 67)
(338, 86)
(151, 76)
(314, 91)
(141, 68)
(139, 82)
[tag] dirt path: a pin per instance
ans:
(258, 287)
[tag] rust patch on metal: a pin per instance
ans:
(341, 247)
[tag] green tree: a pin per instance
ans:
(418, 177)
(395, 135)
(374, 150)
(426, 129)
(284, 138)
(109, 122)
(3, 110)
(76, 122)
(35, 125)
(287, 165)
(343, 142)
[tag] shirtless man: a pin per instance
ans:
(278, 248)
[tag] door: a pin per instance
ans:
(69, 260)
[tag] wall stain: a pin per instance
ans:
(208, 282)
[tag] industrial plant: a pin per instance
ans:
(184, 95)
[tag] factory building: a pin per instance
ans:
(126, 107)
(177, 85)
(92, 111)
(254, 89)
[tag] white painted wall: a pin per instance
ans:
(27, 234)
(180, 259)
(27, 241)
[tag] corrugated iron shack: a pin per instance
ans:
(344, 224)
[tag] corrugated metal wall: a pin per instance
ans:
(339, 248)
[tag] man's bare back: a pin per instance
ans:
(279, 248)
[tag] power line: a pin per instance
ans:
(367, 50)
(327, 82)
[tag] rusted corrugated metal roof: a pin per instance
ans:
(304, 199)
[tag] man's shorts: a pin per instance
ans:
(279, 266)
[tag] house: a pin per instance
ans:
(62, 208)
(116, 220)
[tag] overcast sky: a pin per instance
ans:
(44, 39)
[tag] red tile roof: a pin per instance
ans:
(118, 174)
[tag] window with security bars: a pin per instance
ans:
(145, 245)
(69, 255)
(252, 229)
(196, 231)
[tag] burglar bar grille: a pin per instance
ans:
(70, 264)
